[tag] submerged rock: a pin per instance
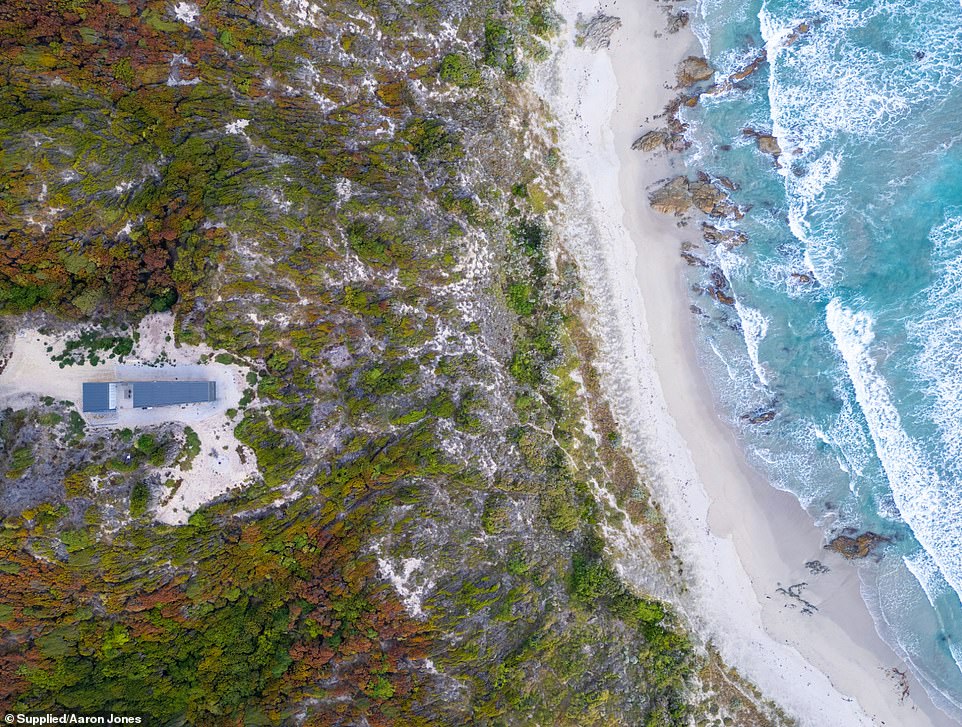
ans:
(728, 238)
(797, 32)
(721, 296)
(748, 70)
(860, 546)
(760, 416)
(766, 143)
(717, 287)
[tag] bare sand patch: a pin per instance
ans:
(29, 373)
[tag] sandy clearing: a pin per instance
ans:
(29, 373)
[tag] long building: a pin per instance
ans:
(99, 397)
(102, 397)
(170, 393)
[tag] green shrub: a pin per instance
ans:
(524, 367)
(495, 517)
(139, 498)
(190, 449)
(460, 70)
(277, 460)
(520, 299)
(20, 459)
(498, 45)
(430, 140)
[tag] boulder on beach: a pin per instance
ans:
(689, 257)
(677, 21)
(679, 195)
(692, 70)
(653, 140)
(673, 198)
(596, 33)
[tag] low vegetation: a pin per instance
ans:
(328, 196)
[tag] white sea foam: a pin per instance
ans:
(854, 75)
(848, 435)
(754, 329)
(822, 251)
(939, 333)
(732, 371)
(831, 81)
(930, 506)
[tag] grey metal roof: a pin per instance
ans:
(96, 397)
(170, 393)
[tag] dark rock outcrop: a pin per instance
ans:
(766, 143)
(717, 288)
(727, 238)
(759, 416)
(860, 546)
(678, 21)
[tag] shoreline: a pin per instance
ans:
(739, 537)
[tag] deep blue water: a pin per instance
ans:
(861, 357)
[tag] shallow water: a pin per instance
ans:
(848, 321)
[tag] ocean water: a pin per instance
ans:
(848, 315)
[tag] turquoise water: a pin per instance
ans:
(860, 358)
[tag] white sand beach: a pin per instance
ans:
(739, 538)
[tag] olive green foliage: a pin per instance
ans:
(76, 427)
(20, 459)
(368, 244)
(277, 459)
(519, 298)
(431, 141)
(326, 246)
(190, 450)
(93, 347)
(499, 46)
(459, 69)
(152, 448)
(139, 499)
